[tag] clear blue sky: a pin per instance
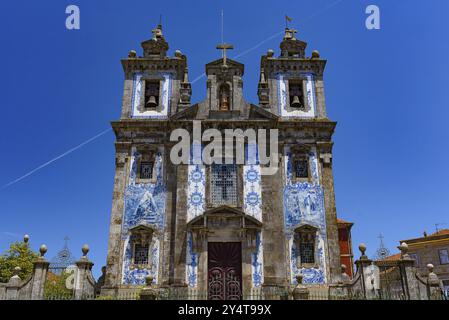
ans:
(387, 89)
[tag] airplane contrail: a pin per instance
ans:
(194, 81)
(56, 158)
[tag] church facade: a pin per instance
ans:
(224, 229)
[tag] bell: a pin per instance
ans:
(151, 102)
(224, 104)
(296, 103)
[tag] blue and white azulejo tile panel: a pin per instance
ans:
(144, 203)
(304, 205)
(252, 189)
(196, 191)
(252, 182)
(136, 276)
(138, 91)
(196, 184)
(282, 80)
(257, 262)
(192, 263)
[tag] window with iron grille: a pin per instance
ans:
(306, 247)
(140, 254)
(223, 184)
(146, 170)
(301, 168)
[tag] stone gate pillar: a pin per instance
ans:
(407, 265)
(40, 271)
(84, 283)
(362, 264)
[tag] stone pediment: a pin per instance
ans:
(256, 112)
(217, 66)
(224, 217)
(143, 227)
(187, 114)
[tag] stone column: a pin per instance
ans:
(39, 275)
(275, 267)
(84, 285)
(168, 241)
(13, 285)
(325, 153)
(362, 264)
(407, 265)
(113, 265)
(180, 227)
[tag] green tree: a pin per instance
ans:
(55, 287)
(20, 255)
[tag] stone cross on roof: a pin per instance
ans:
(224, 47)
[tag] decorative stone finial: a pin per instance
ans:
(178, 54)
(362, 248)
(315, 54)
(26, 238)
(186, 75)
(43, 250)
(262, 76)
(132, 54)
(432, 277)
(17, 270)
(290, 34)
(157, 32)
(150, 292)
(404, 249)
(300, 292)
(344, 276)
(270, 53)
(85, 250)
(149, 280)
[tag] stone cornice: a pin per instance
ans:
(148, 64)
(275, 65)
(290, 131)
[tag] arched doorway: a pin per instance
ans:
(224, 267)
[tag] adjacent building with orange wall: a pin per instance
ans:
(345, 242)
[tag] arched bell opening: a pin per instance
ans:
(224, 97)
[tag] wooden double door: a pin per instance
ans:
(224, 264)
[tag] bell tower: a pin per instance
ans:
(156, 85)
(291, 85)
(224, 84)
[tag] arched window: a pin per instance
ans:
(305, 246)
(224, 98)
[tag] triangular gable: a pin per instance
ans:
(256, 112)
(189, 113)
